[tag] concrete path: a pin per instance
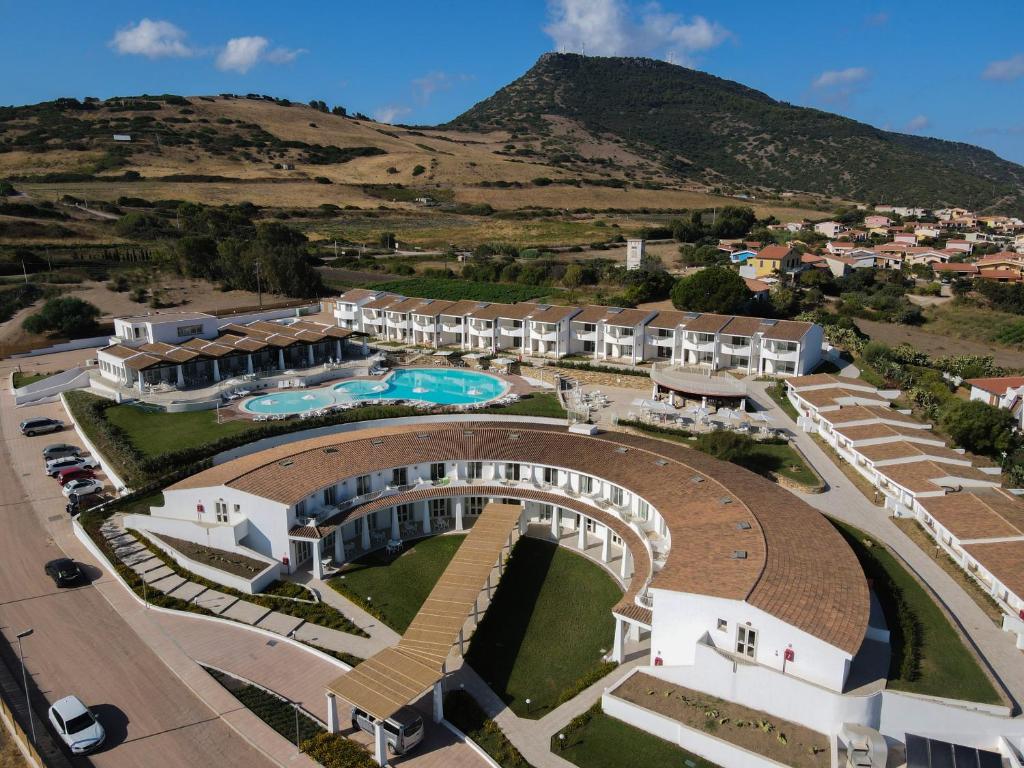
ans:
(845, 502)
(381, 635)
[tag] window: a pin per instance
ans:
(300, 508)
(589, 327)
(404, 513)
(550, 475)
(475, 505)
(665, 352)
(617, 496)
(723, 625)
(589, 346)
(238, 508)
(586, 484)
(187, 331)
(439, 507)
(362, 485)
(222, 511)
(330, 496)
(512, 471)
(437, 471)
(475, 470)
(746, 641)
(400, 476)
(643, 509)
(545, 512)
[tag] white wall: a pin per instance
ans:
(256, 584)
(682, 619)
(74, 378)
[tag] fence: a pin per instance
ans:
(20, 737)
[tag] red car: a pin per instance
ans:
(65, 476)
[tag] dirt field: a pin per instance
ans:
(10, 757)
(937, 344)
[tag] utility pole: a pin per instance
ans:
(24, 681)
(24, 271)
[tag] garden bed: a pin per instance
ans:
(229, 562)
(462, 711)
(758, 732)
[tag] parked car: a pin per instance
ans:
(76, 725)
(404, 729)
(64, 571)
(68, 474)
(83, 487)
(55, 466)
(60, 451)
(40, 426)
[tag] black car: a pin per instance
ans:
(64, 571)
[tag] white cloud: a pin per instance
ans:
(612, 28)
(840, 77)
(1005, 69)
(918, 123)
(150, 38)
(285, 55)
(240, 54)
(431, 83)
(390, 113)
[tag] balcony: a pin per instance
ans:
(586, 335)
(516, 333)
(486, 333)
(345, 314)
(660, 341)
(773, 352)
(423, 323)
(736, 349)
(692, 345)
(451, 327)
(545, 335)
(616, 332)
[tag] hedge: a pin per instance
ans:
(115, 445)
(600, 368)
(332, 750)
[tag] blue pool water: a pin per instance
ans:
(428, 385)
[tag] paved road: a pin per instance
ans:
(845, 502)
(81, 645)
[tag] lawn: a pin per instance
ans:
(155, 432)
(777, 392)
(393, 589)
(24, 379)
(928, 655)
(547, 628)
(462, 711)
(601, 741)
(537, 404)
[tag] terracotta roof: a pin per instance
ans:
(756, 286)
(774, 252)
(786, 330)
(997, 385)
(978, 514)
(1004, 560)
(832, 395)
(461, 308)
(119, 351)
(848, 413)
(707, 322)
(797, 567)
(384, 301)
(878, 431)
(492, 311)
(553, 313)
(927, 476)
(817, 380)
(970, 269)
(743, 326)
(594, 313)
(906, 449)
(357, 294)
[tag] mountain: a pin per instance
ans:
(694, 126)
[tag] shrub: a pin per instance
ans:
(419, 169)
(66, 315)
(332, 750)
(725, 445)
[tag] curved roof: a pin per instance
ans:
(796, 566)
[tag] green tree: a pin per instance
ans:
(66, 316)
(725, 445)
(715, 289)
(979, 427)
(573, 277)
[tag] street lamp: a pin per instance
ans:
(561, 742)
(24, 681)
(527, 706)
(295, 704)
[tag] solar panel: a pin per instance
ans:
(923, 752)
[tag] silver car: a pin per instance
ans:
(403, 730)
(76, 725)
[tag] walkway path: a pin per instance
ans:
(845, 502)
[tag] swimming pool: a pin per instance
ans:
(428, 385)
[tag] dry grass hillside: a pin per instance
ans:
(237, 142)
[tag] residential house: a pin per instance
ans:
(904, 238)
(1001, 391)
(609, 333)
(772, 260)
(955, 270)
(960, 245)
(830, 229)
(758, 288)
(347, 309)
(876, 221)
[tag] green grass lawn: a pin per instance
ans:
(537, 404)
(547, 628)
(24, 379)
(395, 588)
(777, 392)
(604, 742)
(928, 655)
(155, 432)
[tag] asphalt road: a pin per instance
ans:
(80, 644)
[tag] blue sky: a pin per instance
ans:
(934, 68)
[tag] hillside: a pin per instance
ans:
(224, 149)
(694, 126)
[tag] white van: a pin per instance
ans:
(404, 729)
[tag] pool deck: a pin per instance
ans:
(514, 385)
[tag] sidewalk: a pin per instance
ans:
(845, 502)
